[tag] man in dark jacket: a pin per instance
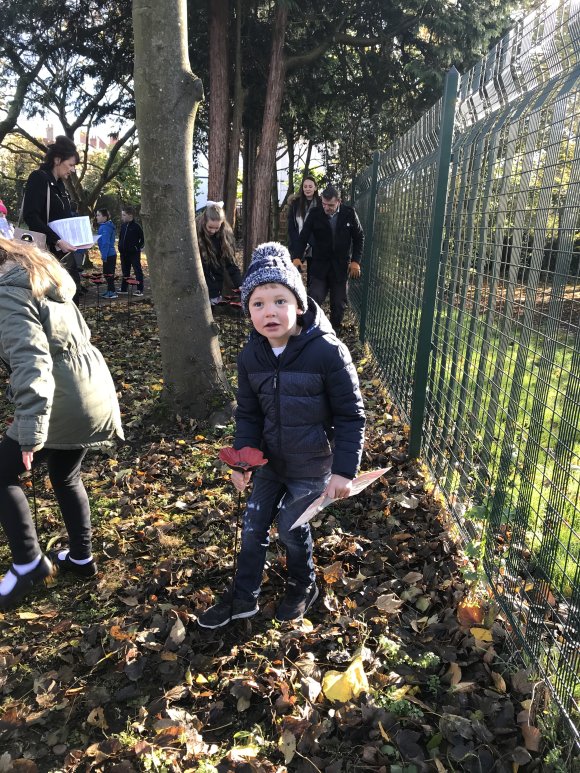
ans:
(131, 241)
(299, 402)
(336, 252)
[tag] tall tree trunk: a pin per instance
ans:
(275, 208)
(167, 95)
(219, 98)
(308, 157)
(231, 190)
(250, 142)
(291, 165)
(269, 140)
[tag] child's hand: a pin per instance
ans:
(338, 487)
(241, 479)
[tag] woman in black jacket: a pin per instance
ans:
(60, 160)
(300, 207)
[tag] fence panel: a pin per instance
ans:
(403, 206)
(502, 426)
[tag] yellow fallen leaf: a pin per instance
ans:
(482, 634)
(347, 685)
(384, 735)
(242, 753)
(200, 679)
(399, 694)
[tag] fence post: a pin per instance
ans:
(368, 248)
(433, 258)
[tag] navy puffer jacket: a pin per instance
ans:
(303, 409)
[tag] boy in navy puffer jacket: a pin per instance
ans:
(299, 402)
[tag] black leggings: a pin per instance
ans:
(64, 471)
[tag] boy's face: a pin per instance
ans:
(126, 217)
(274, 311)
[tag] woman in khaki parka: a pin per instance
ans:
(64, 403)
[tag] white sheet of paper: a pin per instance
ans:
(75, 230)
(323, 501)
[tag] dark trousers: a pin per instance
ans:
(286, 498)
(318, 289)
(109, 272)
(64, 471)
(128, 262)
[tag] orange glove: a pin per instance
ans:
(354, 270)
(298, 263)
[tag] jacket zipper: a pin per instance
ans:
(277, 399)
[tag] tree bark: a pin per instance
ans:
(167, 95)
(231, 190)
(248, 189)
(274, 230)
(219, 98)
(308, 157)
(258, 225)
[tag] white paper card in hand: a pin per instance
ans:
(75, 230)
(319, 504)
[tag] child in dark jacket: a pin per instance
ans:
(107, 250)
(299, 402)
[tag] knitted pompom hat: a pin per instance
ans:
(271, 263)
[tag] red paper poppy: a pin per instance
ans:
(245, 459)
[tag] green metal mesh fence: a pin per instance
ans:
(501, 427)
(398, 255)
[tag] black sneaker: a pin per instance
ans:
(66, 565)
(296, 602)
(25, 582)
(225, 611)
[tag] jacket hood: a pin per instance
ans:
(14, 275)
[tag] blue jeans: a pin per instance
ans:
(287, 498)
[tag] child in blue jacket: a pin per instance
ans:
(298, 401)
(107, 250)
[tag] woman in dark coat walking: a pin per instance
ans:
(45, 186)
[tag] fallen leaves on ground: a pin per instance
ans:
(392, 671)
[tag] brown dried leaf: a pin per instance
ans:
(333, 573)
(389, 603)
(521, 682)
(532, 737)
(498, 681)
(469, 614)
(453, 674)
(412, 577)
(97, 718)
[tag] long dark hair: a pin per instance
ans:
(225, 237)
(62, 148)
(303, 202)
